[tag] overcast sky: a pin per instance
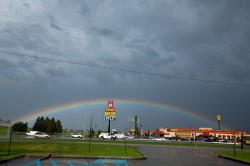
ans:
(191, 54)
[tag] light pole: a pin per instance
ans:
(140, 130)
(84, 126)
(10, 134)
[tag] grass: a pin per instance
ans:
(242, 156)
(44, 146)
(4, 130)
(21, 146)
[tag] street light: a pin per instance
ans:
(140, 130)
(84, 126)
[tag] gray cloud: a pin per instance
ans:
(195, 39)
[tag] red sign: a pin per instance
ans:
(110, 104)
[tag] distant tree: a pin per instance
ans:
(42, 125)
(58, 126)
(20, 127)
(99, 132)
(53, 125)
(39, 125)
(92, 132)
(36, 125)
(47, 125)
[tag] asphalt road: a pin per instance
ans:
(182, 156)
(156, 156)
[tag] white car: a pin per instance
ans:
(119, 136)
(41, 135)
(76, 135)
(31, 133)
(159, 139)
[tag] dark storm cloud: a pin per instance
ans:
(194, 39)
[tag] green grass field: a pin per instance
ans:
(21, 146)
(4, 130)
(44, 146)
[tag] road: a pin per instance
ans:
(165, 155)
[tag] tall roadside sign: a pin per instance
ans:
(218, 119)
(110, 113)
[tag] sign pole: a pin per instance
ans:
(110, 113)
(136, 130)
(109, 127)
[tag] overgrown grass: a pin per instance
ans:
(243, 156)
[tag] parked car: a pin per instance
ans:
(41, 135)
(31, 133)
(120, 136)
(159, 139)
(76, 135)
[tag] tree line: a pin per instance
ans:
(20, 127)
(47, 125)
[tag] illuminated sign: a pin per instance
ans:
(173, 130)
(109, 113)
(109, 118)
(110, 110)
(110, 103)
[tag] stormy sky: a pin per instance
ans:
(191, 54)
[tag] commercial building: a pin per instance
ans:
(202, 132)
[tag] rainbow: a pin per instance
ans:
(104, 102)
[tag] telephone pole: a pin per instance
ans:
(136, 128)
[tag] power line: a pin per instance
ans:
(125, 70)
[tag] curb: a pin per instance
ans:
(4, 161)
(96, 157)
(45, 157)
(40, 157)
(56, 156)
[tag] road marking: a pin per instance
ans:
(98, 162)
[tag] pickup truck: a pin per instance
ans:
(107, 136)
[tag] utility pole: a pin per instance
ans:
(140, 133)
(136, 129)
(241, 141)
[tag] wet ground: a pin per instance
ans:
(156, 156)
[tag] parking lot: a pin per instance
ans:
(156, 155)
